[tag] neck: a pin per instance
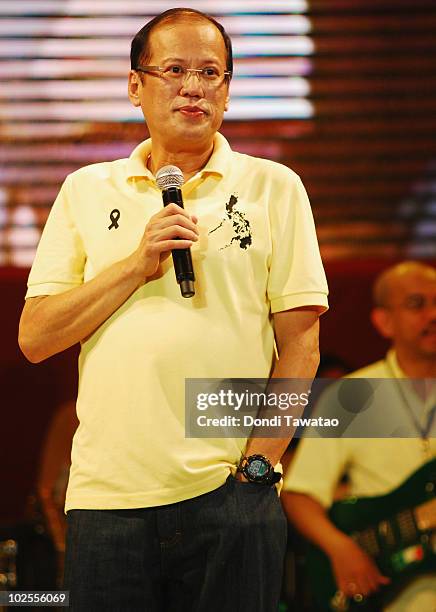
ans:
(416, 366)
(189, 161)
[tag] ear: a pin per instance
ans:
(227, 98)
(382, 320)
(133, 88)
(227, 102)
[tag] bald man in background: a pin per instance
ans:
(405, 313)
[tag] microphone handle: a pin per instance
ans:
(181, 257)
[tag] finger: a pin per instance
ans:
(176, 220)
(376, 579)
(172, 232)
(172, 209)
(348, 587)
(373, 584)
(356, 587)
(170, 245)
(168, 211)
(364, 586)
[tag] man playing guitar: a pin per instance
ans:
(405, 313)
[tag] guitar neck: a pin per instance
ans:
(402, 528)
(398, 530)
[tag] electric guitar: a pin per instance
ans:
(397, 530)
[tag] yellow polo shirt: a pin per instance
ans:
(375, 466)
(257, 254)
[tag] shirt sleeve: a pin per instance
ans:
(296, 276)
(60, 257)
(316, 468)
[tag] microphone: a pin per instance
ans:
(169, 179)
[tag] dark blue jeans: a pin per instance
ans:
(219, 552)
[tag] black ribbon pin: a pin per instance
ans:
(114, 216)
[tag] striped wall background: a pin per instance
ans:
(342, 91)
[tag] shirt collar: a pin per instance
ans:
(137, 162)
(395, 368)
(217, 164)
(392, 360)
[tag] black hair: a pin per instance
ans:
(140, 46)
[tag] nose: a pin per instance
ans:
(192, 84)
(429, 313)
(432, 307)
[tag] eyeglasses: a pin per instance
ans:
(415, 302)
(209, 76)
(419, 302)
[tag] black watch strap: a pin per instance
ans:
(275, 477)
(258, 469)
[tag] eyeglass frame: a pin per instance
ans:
(198, 71)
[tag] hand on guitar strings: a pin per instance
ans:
(356, 574)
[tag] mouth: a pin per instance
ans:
(192, 111)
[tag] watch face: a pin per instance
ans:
(258, 468)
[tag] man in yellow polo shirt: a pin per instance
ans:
(158, 521)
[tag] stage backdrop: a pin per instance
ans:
(342, 91)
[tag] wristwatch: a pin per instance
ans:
(257, 468)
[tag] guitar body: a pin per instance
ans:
(386, 524)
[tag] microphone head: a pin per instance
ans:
(169, 176)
